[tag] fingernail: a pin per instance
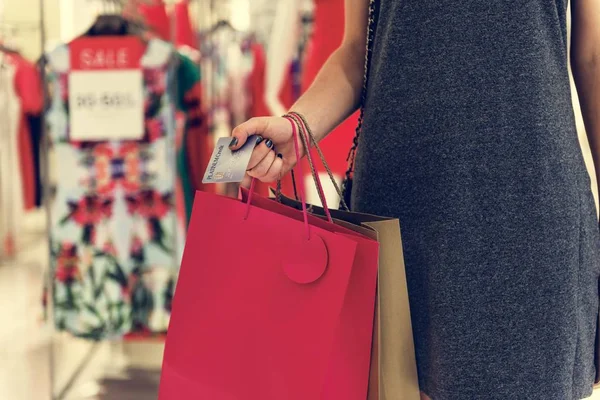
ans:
(269, 143)
(259, 139)
(233, 142)
(280, 155)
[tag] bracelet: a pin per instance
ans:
(297, 117)
(306, 126)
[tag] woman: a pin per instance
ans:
(469, 139)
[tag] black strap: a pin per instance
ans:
(372, 24)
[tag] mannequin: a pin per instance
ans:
(280, 53)
(262, 15)
(328, 35)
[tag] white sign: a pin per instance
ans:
(106, 104)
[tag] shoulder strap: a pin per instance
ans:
(372, 24)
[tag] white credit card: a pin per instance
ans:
(229, 166)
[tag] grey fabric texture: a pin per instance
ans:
(469, 139)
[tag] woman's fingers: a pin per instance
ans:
(274, 136)
(262, 168)
(245, 183)
(262, 149)
(276, 170)
(251, 127)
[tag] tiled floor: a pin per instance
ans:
(82, 370)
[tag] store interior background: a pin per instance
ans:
(35, 360)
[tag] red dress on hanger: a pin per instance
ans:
(184, 31)
(29, 89)
(154, 14)
(327, 37)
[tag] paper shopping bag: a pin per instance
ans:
(394, 364)
(267, 307)
(349, 356)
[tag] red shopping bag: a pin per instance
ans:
(269, 305)
(349, 358)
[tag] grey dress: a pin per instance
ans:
(469, 138)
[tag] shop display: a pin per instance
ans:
(109, 114)
(196, 144)
(114, 233)
(20, 97)
(234, 70)
(226, 57)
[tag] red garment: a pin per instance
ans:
(327, 37)
(258, 105)
(180, 119)
(198, 138)
(155, 16)
(184, 32)
(28, 87)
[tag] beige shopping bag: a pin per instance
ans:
(394, 370)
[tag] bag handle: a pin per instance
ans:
(301, 184)
(307, 138)
(316, 178)
(307, 132)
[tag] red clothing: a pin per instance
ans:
(155, 17)
(258, 105)
(327, 37)
(257, 84)
(28, 88)
(198, 139)
(184, 32)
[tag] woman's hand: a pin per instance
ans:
(274, 156)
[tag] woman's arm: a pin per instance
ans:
(335, 92)
(333, 96)
(585, 63)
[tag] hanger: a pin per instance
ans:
(112, 22)
(7, 49)
(108, 25)
(222, 24)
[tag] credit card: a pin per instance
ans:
(227, 166)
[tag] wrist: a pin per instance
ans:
(307, 138)
(310, 121)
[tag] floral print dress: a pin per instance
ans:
(116, 238)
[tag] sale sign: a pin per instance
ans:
(106, 89)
